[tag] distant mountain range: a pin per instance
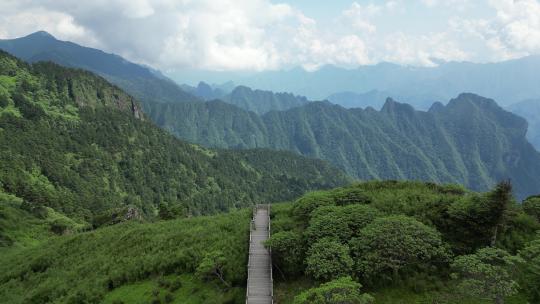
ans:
(261, 102)
(349, 100)
(471, 141)
(144, 83)
(206, 91)
(507, 82)
(257, 101)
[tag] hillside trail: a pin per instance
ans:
(259, 282)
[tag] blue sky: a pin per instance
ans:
(256, 35)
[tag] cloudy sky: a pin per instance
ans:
(240, 35)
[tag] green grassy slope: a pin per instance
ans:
(137, 262)
(128, 260)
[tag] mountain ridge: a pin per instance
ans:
(420, 86)
(444, 144)
(142, 82)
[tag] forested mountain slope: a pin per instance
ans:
(141, 82)
(471, 141)
(73, 142)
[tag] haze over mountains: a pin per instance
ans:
(530, 110)
(471, 141)
(507, 82)
(257, 101)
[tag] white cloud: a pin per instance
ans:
(399, 46)
(456, 4)
(359, 16)
(513, 32)
(518, 24)
(208, 34)
(263, 34)
(57, 23)
(422, 50)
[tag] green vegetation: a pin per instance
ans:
(98, 205)
(82, 147)
(85, 179)
(342, 290)
(393, 243)
(406, 242)
(530, 269)
(532, 206)
(486, 274)
(132, 257)
(328, 259)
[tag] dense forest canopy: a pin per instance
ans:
(75, 143)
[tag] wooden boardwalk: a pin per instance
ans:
(259, 282)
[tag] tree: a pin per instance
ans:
(530, 269)
(500, 200)
(486, 274)
(391, 243)
(4, 100)
(328, 222)
(328, 259)
(343, 291)
(212, 266)
(531, 206)
(339, 222)
(477, 220)
(287, 251)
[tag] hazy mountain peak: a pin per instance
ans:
(240, 89)
(391, 106)
(41, 34)
(475, 99)
(436, 107)
(470, 106)
(204, 87)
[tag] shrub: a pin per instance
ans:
(392, 243)
(328, 259)
(342, 290)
